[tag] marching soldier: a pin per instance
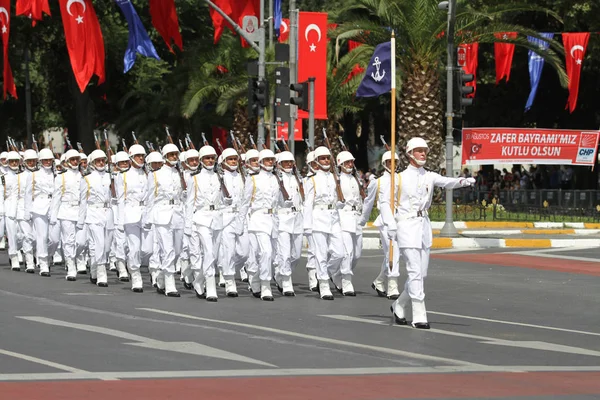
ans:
(190, 163)
(119, 244)
(290, 226)
(311, 264)
(3, 171)
(411, 226)
(252, 168)
(42, 189)
(155, 161)
(164, 198)
(12, 188)
(30, 158)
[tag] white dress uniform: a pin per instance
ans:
(261, 200)
(352, 234)
(235, 246)
(42, 190)
(183, 265)
(413, 230)
(374, 197)
(322, 218)
(118, 250)
(3, 171)
(131, 187)
(203, 226)
(289, 239)
(311, 263)
(14, 213)
(24, 218)
(164, 201)
(95, 211)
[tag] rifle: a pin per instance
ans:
(188, 139)
(224, 189)
(34, 143)
(113, 192)
(387, 147)
(14, 145)
(219, 145)
(124, 145)
(308, 146)
(21, 146)
(295, 171)
(97, 141)
(252, 142)
(79, 147)
(236, 146)
(149, 145)
(181, 147)
(51, 149)
(336, 175)
(354, 174)
(134, 138)
(177, 166)
(240, 146)
(284, 192)
(66, 138)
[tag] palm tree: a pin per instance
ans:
(420, 50)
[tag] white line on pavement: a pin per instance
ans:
(315, 338)
(41, 361)
(537, 253)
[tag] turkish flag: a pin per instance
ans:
(312, 58)
(575, 47)
(356, 70)
(218, 21)
(471, 61)
(244, 8)
(284, 32)
(164, 19)
(84, 40)
(33, 9)
(282, 131)
(9, 83)
(504, 55)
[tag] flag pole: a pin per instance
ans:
(393, 139)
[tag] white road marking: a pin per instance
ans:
(141, 341)
(534, 345)
(563, 257)
(385, 350)
(41, 361)
(550, 328)
(281, 372)
(89, 294)
(458, 250)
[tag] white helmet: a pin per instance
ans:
(266, 153)
(3, 155)
(206, 151)
(286, 156)
(13, 155)
(319, 152)
(137, 149)
(83, 156)
(96, 155)
(169, 148)
(250, 154)
(46, 154)
(122, 156)
(30, 154)
(71, 154)
(341, 158)
(191, 153)
(154, 156)
(243, 156)
(182, 156)
(229, 152)
(386, 157)
(416, 143)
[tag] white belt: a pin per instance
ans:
(324, 207)
(231, 210)
(168, 202)
(264, 211)
(416, 214)
(210, 207)
(99, 205)
(72, 203)
(292, 210)
(352, 208)
(134, 203)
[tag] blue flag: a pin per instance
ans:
(139, 41)
(378, 77)
(536, 65)
(277, 17)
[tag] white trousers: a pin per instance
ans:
(234, 251)
(68, 238)
(42, 233)
(154, 261)
(289, 249)
(353, 246)
(133, 235)
(203, 249)
(99, 243)
(170, 242)
(329, 253)
(14, 238)
(264, 254)
(251, 263)
(119, 244)
(385, 265)
(417, 264)
(311, 262)
(2, 225)
(26, 230)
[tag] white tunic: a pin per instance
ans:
(164, 197)
(350, 215)
(131, 187)
(65, 200)
(320, 212)
(95, 200)
(231, 214)
(204, 199)
(42, 190)
(262, 197)
(290, 216)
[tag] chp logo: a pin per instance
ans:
(587, 148)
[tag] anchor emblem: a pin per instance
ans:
(377, 76)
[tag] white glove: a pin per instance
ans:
(120, 228)
(79, 227)
(288, 203)
(307, 232)
(187, 232)
(466, 182)
(339, 205)
(391, 234)
(227, 201)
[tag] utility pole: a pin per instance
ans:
(27, 95)
(311, 112)
(449, 230)
(293, 40)
(271, 23)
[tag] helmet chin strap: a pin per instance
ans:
(420, 163)
(268, 169)
(324, 167)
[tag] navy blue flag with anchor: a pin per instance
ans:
(378, 77)
(139, 42)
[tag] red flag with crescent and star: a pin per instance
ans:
(9, 83)
(284, 32)
(504, 55)
(575, 47)
(218, 21)
(471, 62)
(164, 19)
(33, 9)
(312, 58)
(84, 40)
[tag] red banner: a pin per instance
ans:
(282, 131)
(528, 146)
(33, 9)
(9, 83)
(284, 31)
(575, 47)
(164, 19)
(312, 58)
(471, 62)
(504, 55)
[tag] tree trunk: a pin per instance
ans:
(85, 118)
(243, 126)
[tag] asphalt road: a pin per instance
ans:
(505, 324)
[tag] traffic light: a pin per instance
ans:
(258, 95)
(252, 104)
(302, 99)
(465, 90)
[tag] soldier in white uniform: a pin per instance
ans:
(234, 238)
(164, 197)
(119, 244)
(95, 211)
(30, 159)
(252, 168)
(350, 217)
(311, 264)
(374, 195)
(155, 161)
(204, 223)
(42, 189)
(12, 183)
(291, 226)
(191, 161)
(261, 200)
(131, 186)
(322, 221)
(412, 227)
(3, 170)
